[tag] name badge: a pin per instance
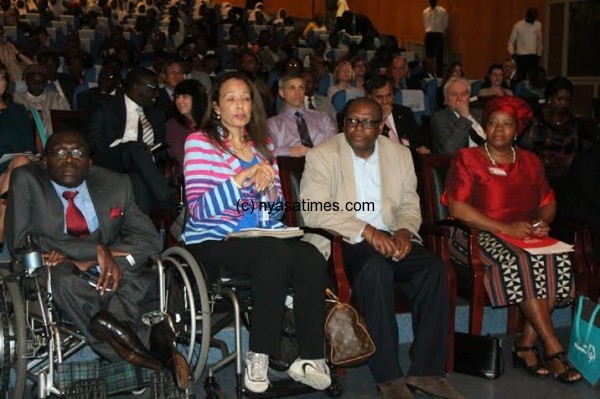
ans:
(497, 171)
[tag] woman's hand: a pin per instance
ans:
(262, 175)
(540, 228)
(518, 229)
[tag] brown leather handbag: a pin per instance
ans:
(348, 341)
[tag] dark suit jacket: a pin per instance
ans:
(165, 103)
(449, 133)
(68, 83)
(34, 208)
(107, 124)
(406, 124)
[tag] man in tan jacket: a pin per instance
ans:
(371, 185)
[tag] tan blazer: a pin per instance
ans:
(329, 177)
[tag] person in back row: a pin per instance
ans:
(297, 129)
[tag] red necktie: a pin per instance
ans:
(76, 224)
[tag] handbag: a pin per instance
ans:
(478, 355)
(584, 346)
(346, 335)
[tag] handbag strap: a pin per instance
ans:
(588, 331)
(331, 296)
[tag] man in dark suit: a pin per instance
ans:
(172, 74)
(354, 24)
(400, 124)
(120, 133)
(398, 72)
(85, 221)
(453, 127)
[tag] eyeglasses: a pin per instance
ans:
(366, 123)
(61, 153)
(151, 87)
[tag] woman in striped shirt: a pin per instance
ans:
(226, 165)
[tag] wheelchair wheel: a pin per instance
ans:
(13, 342)
(189, 306)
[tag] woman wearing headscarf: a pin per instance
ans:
(503, 192)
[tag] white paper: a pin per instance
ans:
(556, 248)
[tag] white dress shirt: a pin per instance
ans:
(368, 189)
(131, 124)
(527, 37)
(435, 20)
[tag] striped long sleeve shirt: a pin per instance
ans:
(212, 198)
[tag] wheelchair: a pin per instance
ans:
(35, 341)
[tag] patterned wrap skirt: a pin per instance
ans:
(514, 275)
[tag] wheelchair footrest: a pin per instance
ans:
(86, 389)
(163, 387)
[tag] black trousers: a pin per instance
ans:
(422, 278)
(149, 184)
(526, 64)
(79, 301)
(272, 265)
(434, 48)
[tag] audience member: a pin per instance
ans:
(102, 230)
(454, 127)
(109, 85)
(190, 100)
(554, 128)
(452, 70)
(235, 140)
(38, 98)
(121, 131)
(525, 43)
(172, 74)
(360, 70)
(297, 129)
(503, 192)
(399, 123)
(494, 83)
(509, 73)
(398, 73)
(318, 25)
(535, 86)
(15, 137)
(342, 80)
(382, 246)
(314, 101)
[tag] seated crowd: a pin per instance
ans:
(220, 93)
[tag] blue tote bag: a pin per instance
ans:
(584, 348)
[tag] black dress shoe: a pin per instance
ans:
(105, 327)
(163, 346)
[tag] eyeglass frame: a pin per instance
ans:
(67, 152)
(354, 122)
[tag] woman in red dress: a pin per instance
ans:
(502, 190)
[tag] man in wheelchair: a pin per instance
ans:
(95, 243)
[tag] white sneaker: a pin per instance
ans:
(255, 377)
(313, 373)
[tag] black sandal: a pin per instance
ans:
(568, 371)
(533, 369)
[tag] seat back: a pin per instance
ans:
(339, 100)
(290, 172)
(435, 169)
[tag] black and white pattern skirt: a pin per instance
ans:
(514, 275)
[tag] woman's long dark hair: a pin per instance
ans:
(194, 89)
(7, 97)
(256, 127)
(487, 82)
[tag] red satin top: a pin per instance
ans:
(507, 193)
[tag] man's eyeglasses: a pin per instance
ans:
(61, 153)
(151, 87)
(366, 123)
